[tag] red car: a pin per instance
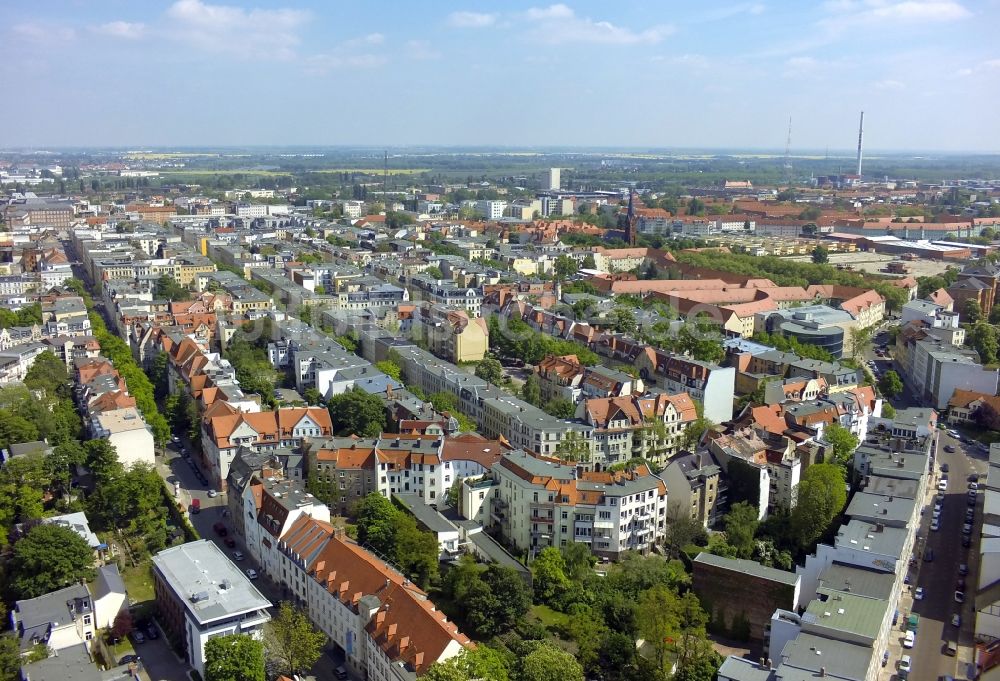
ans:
(220, 529)
(230, 542)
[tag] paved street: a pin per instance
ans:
(939, 577)
(173, 467)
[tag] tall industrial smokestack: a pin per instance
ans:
(861, 136)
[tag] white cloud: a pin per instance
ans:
(558, 11)
(559, 24)
(698, 61)
(471, 19)
(321, 64)
(420, 50)
(991, 64)
(246, 33)
(963, 72)
(370, 39)
(876, 13)
(121, 29)
(728, 12)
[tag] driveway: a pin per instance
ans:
(160, 663)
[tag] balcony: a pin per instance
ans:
(583, 538)
(541, 519)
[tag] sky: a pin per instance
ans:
(644, 73)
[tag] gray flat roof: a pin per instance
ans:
(749, 567)
(489, 547)
(425, 515)
(742, 669)
(895, 487)
(810, 653)
(859, 581)
(207, 582)
(863, 535)
(880, 507)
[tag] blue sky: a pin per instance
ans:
(648, 73)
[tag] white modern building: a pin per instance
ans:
(201, 595)
(128, 433)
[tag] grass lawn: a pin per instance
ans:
(548, 617)
(139, 583)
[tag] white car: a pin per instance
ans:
(956, 620)
(212, 494)
(943, 484)
(905, 664)
(918, 595)
(251, 573)
(909, 639)
(935, 525)
(955, 434)
(936, 516)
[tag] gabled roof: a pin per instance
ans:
(406, 625)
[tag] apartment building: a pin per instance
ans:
(535, 502)
(201, 594)
(386, 627)
(450, 334)
(273, 505)
(224, 432)
(697, 487)
(933, 367)
(446, 293)
(649, 427)
(710, 384)
(424, 465)
(564, 377)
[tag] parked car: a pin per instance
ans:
(212, 494)
(929, 555)
(960, 597)
(220, 529)
(963, 569)
(960, 584)
(230, 542)
(935, 525)
(909, 639)
(340, 672)
(237, 555)
(905, 664)
(944, 468)
(967, 528)
(152, 632)
(949, 448)
(138, 637)
(918, 595)
(956, 620)
(966, 542)
(251, 573)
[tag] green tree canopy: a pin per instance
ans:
(890, 384)
(390, 368)
(49, 557)
(377, 524)
(548, 663)
(472, 664)
(490, 369)
(843, 441)
(237, 657)
(356, 412)
(983, 338)
(291, 641)
(741, 528)
(821, 497)
(820, 255)
(549, 570)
